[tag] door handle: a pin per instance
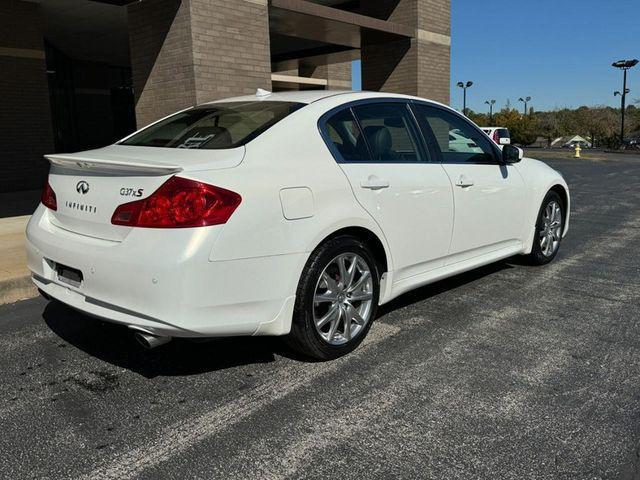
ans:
(374, 183)
(464, 181)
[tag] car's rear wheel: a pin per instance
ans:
(336, 301)
(549, 226)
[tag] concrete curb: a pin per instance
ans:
(624, 152)
(15, 289)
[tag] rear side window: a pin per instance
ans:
(389, 131)
(344, 133)
(215, 126)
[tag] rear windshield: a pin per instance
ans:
(215, 126)
(503, 133)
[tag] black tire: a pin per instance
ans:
(304, 337)
(537, 256)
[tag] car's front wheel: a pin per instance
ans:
(549, 226)
(336, 301)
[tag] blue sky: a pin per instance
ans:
(558, 52)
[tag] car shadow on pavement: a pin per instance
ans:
(115, 343)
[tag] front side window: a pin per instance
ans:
(457, 140)
(214, 126)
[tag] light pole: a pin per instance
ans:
(491, 103)
(525, 100)
(615, 94)
(623, 65)
(464, 87)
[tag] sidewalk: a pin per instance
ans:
(15, 281)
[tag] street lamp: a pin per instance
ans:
(624, 65)
(491, 103)
(464, 87)
(525, 100)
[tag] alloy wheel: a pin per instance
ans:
(343, 298)
(551, 229)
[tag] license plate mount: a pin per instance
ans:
(69, 275)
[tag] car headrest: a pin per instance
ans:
(210, 136)
(222, 136)
(379, 139)
(393, 122)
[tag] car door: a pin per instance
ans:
(489, 196)
(381, 151)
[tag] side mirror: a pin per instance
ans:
(511, 154)
(505, 141)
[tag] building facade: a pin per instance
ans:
(79, 74)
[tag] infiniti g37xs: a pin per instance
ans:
(293, 214)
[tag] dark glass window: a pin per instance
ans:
(456, 138)
(389, 131)
(214, 126)
(503, 133)
(345, 135)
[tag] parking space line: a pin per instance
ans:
(180, 436)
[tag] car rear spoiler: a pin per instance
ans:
(112, 165)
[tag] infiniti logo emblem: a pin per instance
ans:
(82, 187)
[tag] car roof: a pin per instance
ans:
(312, 96)
(301, 96)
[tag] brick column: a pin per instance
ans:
(25, 115)
(417, 66)
(338, 75)
(186, 52)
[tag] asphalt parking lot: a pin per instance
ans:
(507, 372)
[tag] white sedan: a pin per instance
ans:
(293, 214)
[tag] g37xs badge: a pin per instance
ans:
(131, 192)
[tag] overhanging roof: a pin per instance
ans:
(312, 21)
(310, 34)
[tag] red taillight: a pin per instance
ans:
(496, 137)
(179, 203)
(48, 197)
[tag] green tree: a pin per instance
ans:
(549, 125)
(479, 119)
(600, 124)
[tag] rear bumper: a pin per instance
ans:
(162, 281)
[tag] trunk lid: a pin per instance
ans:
(90, 185)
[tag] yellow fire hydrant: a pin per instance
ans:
(578, 149)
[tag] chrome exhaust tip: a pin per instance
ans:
(150, 341)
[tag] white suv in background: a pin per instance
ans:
(500, 135)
